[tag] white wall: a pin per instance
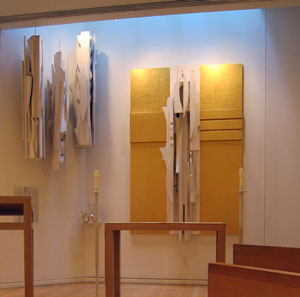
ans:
(64, 248)
(231, 37)
(282, 219)
(58, 235)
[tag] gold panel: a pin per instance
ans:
(147, 183)
(221, 88)
(220, 114)
(221, 135)
(147, 127)
(219, 182)
(221, 145)
(150, 89)
(221, 125)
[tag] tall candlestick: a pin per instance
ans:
(96, 190)
(96, 180)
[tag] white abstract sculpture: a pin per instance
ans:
(33, 112)
(58, 111)
(84, 90)
(182, 151)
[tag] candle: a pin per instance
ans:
(96, 180)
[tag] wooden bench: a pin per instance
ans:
(227, 280)
(21, 206)
(112, 245)
(264, 271)
(280, 258)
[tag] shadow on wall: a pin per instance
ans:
(97, 157)
(102, 100)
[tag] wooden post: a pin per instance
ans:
(117, 256)
(28, 249)
(221, 244)
(112, 262)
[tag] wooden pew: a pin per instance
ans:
(227, 280)
(280, 258)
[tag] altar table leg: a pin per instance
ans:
(28, 251)
(112, 263)
(221, 245)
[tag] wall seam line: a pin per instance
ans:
(265, 161)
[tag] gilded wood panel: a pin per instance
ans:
(221, 125)
(221, 135)
(147, 127)
(147, 183)
(221, 143)
(219, 182)
(221, 91)
(150, 89)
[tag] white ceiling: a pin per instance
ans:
(14, 13)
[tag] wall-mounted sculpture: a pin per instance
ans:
(84, 90)
(58, 111)
(33, 112)
(200, 137)
(182, 151)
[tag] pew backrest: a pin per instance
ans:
(228, 280)
(278, 258)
